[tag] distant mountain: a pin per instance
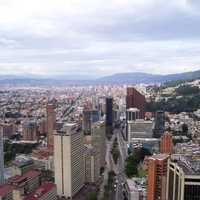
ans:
(136, 77)
(127, 78)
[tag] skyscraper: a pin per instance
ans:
(135, 99)
(51, 124)
(30, 130)
(69, 160)
(183, 178)
(89, 117)
(159, 124)
(166, 143)
(109, 111)
(99, 140)
(157, 177)
(92, 164)
(1, 157)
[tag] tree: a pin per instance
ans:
(133, 161)
(92, 196)
(187, 90)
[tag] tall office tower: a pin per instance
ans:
(183, 178)
(109, 115)
(30, 130)
(69, 160)
(1, 157)
(157, 177)
(51, 124)
(89, 117)
(95, 102)
(166, 143)
(92, 164)
(135, 99)
(98, 134)
(159, 124)
(109, 111)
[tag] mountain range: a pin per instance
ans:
(148, 78)
(120, 78)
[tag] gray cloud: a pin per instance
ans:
(99, 37)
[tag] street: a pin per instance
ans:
(120, 178)
(119, 168)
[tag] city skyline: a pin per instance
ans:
(99, 38)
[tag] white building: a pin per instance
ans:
(139, 128)
(69, 160)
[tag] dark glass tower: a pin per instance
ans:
(109, 112)
(159, 124)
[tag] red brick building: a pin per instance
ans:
(51, 124)
(166, 143)
(157, 177)
(135, 99)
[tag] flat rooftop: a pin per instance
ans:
(188, 165)
(159, 157)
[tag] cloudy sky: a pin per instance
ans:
(99, 37)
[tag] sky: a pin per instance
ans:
(99, 37)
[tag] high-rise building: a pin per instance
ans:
(109, 111)
(99, 140)
(89, 117)
(69, 160)
(51, 124)
(157, 177)
(159, 124)
(135, 99)
(166, 143)
(30, 130)
(109, 115)
(92, 164)
(9, 129)
(183, 179)
(1, 157)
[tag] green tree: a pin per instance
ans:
(133, 161)
(92, 196)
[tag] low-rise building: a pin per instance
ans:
(6, 192)
(47, 191)
(24, 184)
(135, 189)
(21, 165)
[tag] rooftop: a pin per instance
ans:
(69, 129)
(15, 180)
(22, 161)
(189, 165)
(133, 110)
(5, 189)
(40, 191)
(159, 157)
